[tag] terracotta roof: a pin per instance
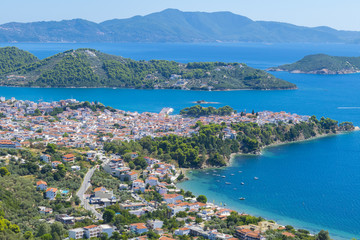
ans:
(91, 226)
(41, 182)
(288, 234)
(99, 189)
(51, 189)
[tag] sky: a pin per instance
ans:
(339, 14)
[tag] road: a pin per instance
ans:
(81, 193)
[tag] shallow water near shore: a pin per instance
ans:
(313, 184)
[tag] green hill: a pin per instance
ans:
(12, 58)
(91, 68)
(322, 64)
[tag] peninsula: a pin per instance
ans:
(50, 152)
(91, 68)
(322, 64)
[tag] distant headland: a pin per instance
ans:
(322, 64)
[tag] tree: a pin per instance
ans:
(50, 148)
(104, 236)
(323, 235)
(109, 215)
(201, 198)
(57, 229)
(28, 235)
(43, 229)
(4, 171)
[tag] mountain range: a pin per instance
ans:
(172, 25)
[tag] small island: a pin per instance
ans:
(322, 64)
(90, 68)
(205, 102)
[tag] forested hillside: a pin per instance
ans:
(91, 68)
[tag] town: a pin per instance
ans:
(129, 196)
(24, 121)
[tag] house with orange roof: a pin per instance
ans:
(131, 175)
(51, 193)
(138, 228)
(69, 158)
(92, 231)
(172, 198)
(42, 185)
(182, 231)
(152, 181)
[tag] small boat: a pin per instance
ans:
(242, 198)
(207, 173)
(240, 171)
(256, 178)
(242, 183)
(223, 176)
(232, 174)
(227, 183)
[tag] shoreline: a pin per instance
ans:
(204, 90)
(284, 219)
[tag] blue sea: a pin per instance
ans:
(313, 185)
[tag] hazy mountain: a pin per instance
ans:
(172, 26)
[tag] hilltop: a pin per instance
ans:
(322, 64)
(172, 25)
(91, 68)
(12, 58)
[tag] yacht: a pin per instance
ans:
(242, 198)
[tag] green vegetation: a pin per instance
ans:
(198, 111)
(72, 70)
(322, 64)
(11, 58)
(210, 147)
(91, 68)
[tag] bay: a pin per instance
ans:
(313, 185)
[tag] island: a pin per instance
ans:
(79, 169)
(92, 68)
(205, 102)
(322, 64)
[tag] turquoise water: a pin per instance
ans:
(313, 185)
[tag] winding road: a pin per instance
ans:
(81, 193)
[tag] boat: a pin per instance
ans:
(240, 171)
(242, 198)
(242, 183)
(227, 183)
(256, 178)
(232, 174)
(223, 176)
